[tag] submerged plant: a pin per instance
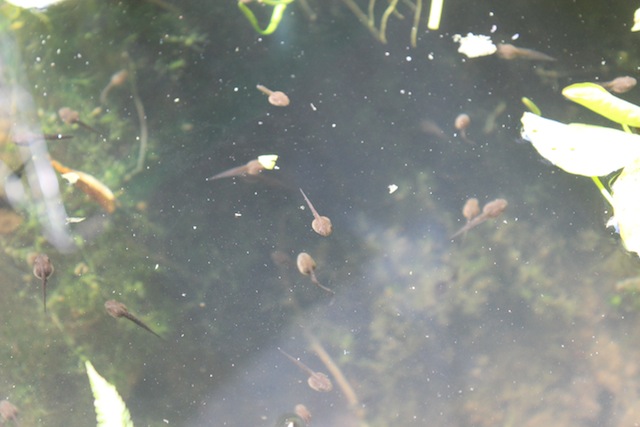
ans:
(596, 151)
(111, 410)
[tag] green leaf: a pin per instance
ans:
(581, 149)
(597, 99)
(531, 106)
(626, 205)
(110, 408)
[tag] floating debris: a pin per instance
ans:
(474, 46)
(89, 185)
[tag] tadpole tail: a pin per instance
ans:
(44, 294)
(139, 322)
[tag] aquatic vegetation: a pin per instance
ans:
(111, 410)
(380, 31)
(596, 151)
(88, 184)
(279, 6)
(596, 98)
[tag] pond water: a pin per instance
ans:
(528, 319)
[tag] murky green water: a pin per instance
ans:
(521, 322)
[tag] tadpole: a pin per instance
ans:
(620, 84)
(317, 380)
(8, 412)
(276, 98)
(117, 309)
(43, 269)
(254, 167)
(307, 266)
(509, 52)
(492, 209)
(321, 224)
(461, 123)
(471, 209)
(117, 79)
(70, 117)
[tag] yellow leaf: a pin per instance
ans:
(596, 98)
(581, 149)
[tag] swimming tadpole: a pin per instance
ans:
(511, 52)
(252, 168)
(620, 84)
(492, 209)
(471, 209)
(276, 98)
(116, 80)
(317, 380)
(117, 309)
(321, 224)
(461, 123)
(71, 117)
(307, 266)
(8, 412)
(43, 269)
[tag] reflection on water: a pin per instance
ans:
(519, 322)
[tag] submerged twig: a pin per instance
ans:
(142, 118)
(416, 23)
(362, 17)
(336, 373)
(385, 17)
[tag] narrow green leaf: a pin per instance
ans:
(596, 98)
(531, 106)
(581, 149)
(626, 205)
(111, 410)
